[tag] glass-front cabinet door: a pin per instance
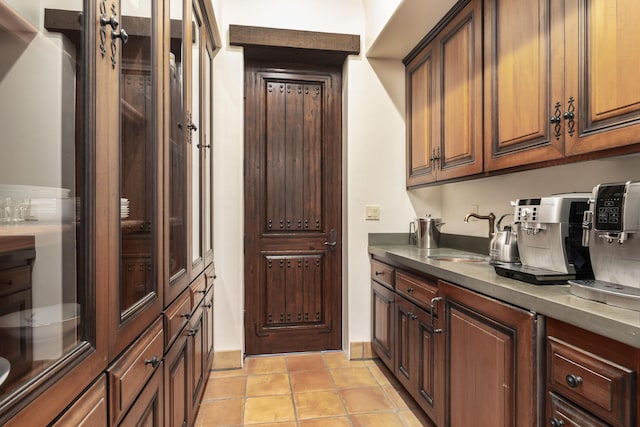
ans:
(51, 344)
(197, 149)
(137, 156)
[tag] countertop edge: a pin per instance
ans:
(551, 300)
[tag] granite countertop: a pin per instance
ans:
(550, 300)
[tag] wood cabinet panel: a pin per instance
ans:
(460, 50)
(148, 407)
(89, 410)
(177, 382)
(563, 413)
(595, 373)
(490, 360)
(130, 372)
(523, 81)
(382, 323)
(602, 59)
(176, 317)
(383, 274)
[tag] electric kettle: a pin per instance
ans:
(504, 244)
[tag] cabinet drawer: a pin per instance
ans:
(197, 290)
(131, 371)
(383, 274)
(563, 413)
(210, 275)
(416, 288)
(599, 385)
(15, 279)
(176, 316)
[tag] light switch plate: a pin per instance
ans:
(372, 212)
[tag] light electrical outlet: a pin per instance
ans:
(372, 212)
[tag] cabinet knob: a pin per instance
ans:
(111, 21)
(379, 273)
(554, 422)
(573, 381)
(186, 315)
(192, 332)
(410, 289)
(154, 361)
(122, 35)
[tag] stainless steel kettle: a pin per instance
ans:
(426, 232)
(504, 244)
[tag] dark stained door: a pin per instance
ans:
(293, 209)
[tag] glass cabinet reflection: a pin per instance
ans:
(44, 196)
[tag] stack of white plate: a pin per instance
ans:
(124, 208)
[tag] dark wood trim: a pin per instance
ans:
(247, 36)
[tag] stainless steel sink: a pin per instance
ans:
(459, 258)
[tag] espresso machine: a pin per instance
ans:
(611, 230)
(549, 231)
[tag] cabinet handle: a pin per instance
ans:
(122, 35)
(193, 332)
(186, 315)
(379, 273)
(111, 21)
(570, 115)
(432, 306)
(555, 120)
(204, 291)
(208, 305)
(192, 126)
(410, 289)
(573, 381)
(554, 422)
(154, 361)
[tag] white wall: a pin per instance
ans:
(374, 155)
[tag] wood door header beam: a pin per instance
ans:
(247, 36)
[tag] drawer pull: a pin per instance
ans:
(379, 273)
(154, 361)
(192, 332)
(410, 289)
(204, 291)
(573, 381)
(186, 315)
(554, 422)
(208, 305)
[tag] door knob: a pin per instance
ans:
(332, 243)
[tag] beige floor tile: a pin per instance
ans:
(318, 404)
(415, 418)
(268, 409)
(242, 372)
(400, 397)
(268, 385)
(326, 422)
(365, 399)
(266, 365)
(216, 413)
(285, 424)
(302, 381)
(338, 359)
(353, 377)
(382, 375)
(305, 362)
(225, 388)
(381, 419)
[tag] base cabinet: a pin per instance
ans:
(382, 323)
(465, 358)
(591, 380)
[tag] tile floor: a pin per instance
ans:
(307, 390)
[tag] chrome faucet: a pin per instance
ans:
(491, 218)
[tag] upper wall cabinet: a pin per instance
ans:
(444, 102)
(559, 79)
(523, 81)
(602, 89)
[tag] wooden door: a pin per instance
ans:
(292, 209)
(489, 360)
(460, 107)
(422, 124)
(406, 354)
(602, 85)
(382, 323)
(523, 81)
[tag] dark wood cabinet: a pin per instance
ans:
(444, 102)
(126, 227)
(383, 323)
(591, 380)
(490, 360)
